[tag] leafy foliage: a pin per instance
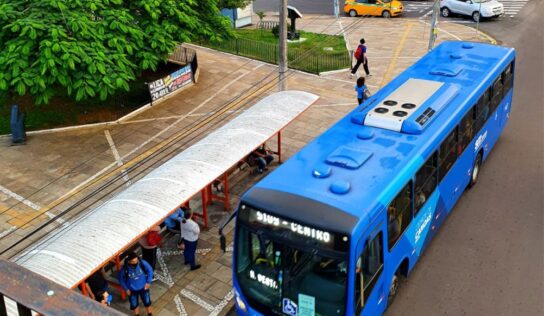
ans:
(95, 47)
(233, 4)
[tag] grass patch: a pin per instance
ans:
(317, 53)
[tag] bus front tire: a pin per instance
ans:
(352, 13)
(475, 171)
(386, 14)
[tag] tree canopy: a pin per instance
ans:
(95, 47)
(233, 4)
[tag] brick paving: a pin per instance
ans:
(51, 165)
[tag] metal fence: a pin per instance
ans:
(313, 61)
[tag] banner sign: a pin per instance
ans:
(170, 83)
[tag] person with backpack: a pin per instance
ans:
(135, 278)
(360, 56)
(362, 90)
(149, 244)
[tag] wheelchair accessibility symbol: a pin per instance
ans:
(289, 307)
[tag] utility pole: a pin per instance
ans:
(282, 85)
(434, 27)
(336, 9)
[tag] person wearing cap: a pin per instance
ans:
(189, 233)
(149, 244)
(135, 278)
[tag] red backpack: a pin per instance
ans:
(358, 52)
(153, 238)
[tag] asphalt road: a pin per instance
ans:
(488, 257)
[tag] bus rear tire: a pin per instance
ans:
(475, 171)
(393, 289)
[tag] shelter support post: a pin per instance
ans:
(205, 202)
(83, 289)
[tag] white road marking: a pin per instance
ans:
(32, 205)
(344, 34)
(166, 277)
(117, 157)
(168, 253)
(179, 306)
(193, 297)
(217, 309)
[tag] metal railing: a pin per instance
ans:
(313, 62)
(32, 292)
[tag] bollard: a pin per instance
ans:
(18, 134)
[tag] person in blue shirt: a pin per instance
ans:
(361, 89)
(135, 278)
(173, 223)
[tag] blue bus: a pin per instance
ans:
(336, 228)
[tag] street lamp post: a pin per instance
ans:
(282, 69)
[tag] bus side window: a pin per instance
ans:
(448, 154)
(496, 94)
(465, 131)
(368, 270)
(507, 78)
(399, 214)
(426, 181)
(482, 112)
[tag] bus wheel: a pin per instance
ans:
(393, 289)
(475, 171)
(352, 13)
(386, 14)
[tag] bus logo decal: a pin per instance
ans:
(479, 141)
(289, 307)
(424, 224)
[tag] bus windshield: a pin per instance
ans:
(278, 277)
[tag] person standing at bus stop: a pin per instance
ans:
(360, 56)
(189, 233)
(135, 278)
(149, 244)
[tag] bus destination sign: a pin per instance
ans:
(299, 229)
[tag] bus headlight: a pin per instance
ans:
(240, 303)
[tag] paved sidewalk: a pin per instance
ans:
(51, 167)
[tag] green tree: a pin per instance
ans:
(95, 47)
(233, 4)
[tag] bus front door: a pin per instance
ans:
(370, 290)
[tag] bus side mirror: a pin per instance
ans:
(223, 242)
(222, 239)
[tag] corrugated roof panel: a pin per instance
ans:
(70, 254)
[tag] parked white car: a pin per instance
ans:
(473, 8)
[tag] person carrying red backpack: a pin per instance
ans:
(149, 244)
(360, 56)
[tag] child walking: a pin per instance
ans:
(362, 91)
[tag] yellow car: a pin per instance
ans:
(385, 8)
